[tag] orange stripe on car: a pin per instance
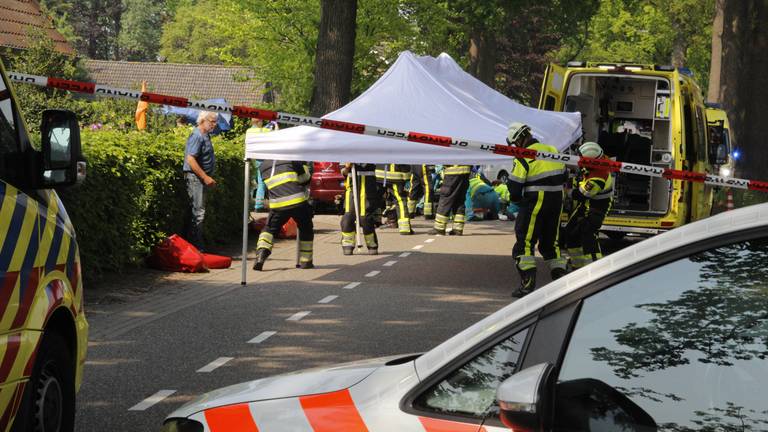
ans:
(231, 418)
(332, 412)
(437, 425)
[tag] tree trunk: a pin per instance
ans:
(335, 55)
(713, 93)
(482, 56)
(743, 89)
(679, 47)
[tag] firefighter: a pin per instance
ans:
(537, 186)
(592, 195)
(453, 193)
(422, 185)
(393, 177)
(287, 184)
(367, 201)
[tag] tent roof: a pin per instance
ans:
(420, 94)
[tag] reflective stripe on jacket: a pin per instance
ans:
(286, 183)
(393, 173)
(456, 169)
(536, 175)
(597, 185)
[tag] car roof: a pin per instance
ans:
(755, 216)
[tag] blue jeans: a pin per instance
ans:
(196, 193)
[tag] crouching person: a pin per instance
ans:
(287, 184)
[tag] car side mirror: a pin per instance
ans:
(63, 162)
(522, 398)
(583, 402)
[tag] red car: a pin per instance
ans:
(327, 185)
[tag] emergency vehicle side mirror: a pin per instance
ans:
(63, 162)
(522, 398)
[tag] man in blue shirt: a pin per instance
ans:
(199, 165)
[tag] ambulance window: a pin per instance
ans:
(471, 389)
(8, 140)
(549, 103)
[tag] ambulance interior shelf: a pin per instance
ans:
(629, 118)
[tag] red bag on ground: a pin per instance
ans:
(287, 231)
(176, 254)
(217, 261)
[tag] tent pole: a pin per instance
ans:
(246, 212)
(357, 207)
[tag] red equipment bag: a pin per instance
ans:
(287, 231)
(176, 254)
(217, 261)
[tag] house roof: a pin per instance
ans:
(17, 16)
(193, 81)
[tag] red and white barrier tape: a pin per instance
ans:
(419, 137)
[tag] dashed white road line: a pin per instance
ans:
(298, 316)
(417, 247)
(329, 299)
(373, 273)
(148, 402)
(404, 254)
(389, 263)
(262, 337)
(210, 367)
(352, 285)
(429, 240)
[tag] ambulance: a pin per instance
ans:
(43, 330)
(720, 136)
(642, 114)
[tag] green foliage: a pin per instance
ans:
(134, 195)
(646, 32)
(140, 29)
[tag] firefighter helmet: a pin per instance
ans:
(591, 150)
(516, 132)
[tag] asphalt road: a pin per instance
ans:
(149, 353)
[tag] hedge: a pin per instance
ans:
(134, 195)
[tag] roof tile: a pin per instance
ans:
(195, 81)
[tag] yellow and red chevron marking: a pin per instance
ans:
(327, 412)
(356, 128)
(38, 260)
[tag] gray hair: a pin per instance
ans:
(206, 115)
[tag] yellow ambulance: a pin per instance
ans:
(720, 137)
(643, 114)
(43, 331)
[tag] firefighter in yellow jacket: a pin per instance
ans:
(393, 177)
(287, 183)
(367, 201)
(537, 186)
(592, 195)
(453, 194)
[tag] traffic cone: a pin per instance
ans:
(728, 200)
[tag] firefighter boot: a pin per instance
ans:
(347, 250)
(261, 258)
(557, 273)
(527, 283)
(305, 254)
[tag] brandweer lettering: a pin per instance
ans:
(384, 132)
(301, 120)
(113, 92)
(23, 79)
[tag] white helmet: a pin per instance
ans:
(591, 150)
(516, 131)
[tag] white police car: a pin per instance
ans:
(669, 334)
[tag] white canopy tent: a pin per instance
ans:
(420, 94)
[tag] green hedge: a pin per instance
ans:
(134, 195)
